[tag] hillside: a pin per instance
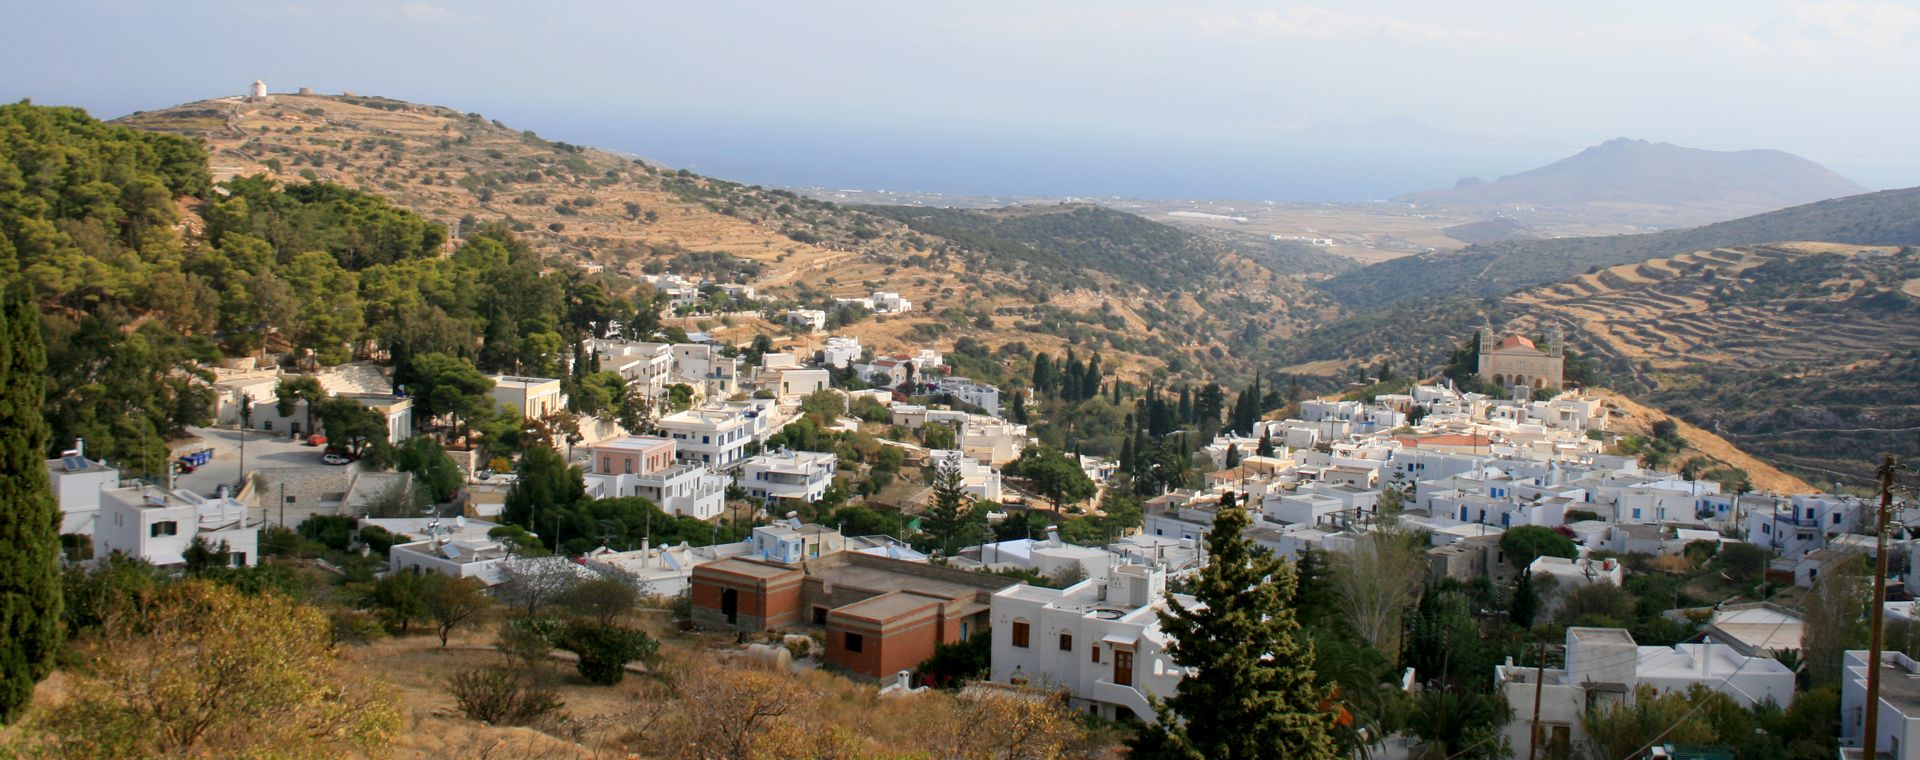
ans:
(1890, 217)
(1801, 353)
(1095, 271)
(1662, 182)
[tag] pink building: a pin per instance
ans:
(633, 455)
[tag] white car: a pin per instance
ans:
(334, 459)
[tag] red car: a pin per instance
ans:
(316, 440)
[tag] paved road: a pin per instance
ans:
(263, 450)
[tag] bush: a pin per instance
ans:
(605, 650)
(527, 640)
(501, 697)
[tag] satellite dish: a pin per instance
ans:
(460, 522)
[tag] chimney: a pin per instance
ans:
(80, 447)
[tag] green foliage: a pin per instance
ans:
(1250, 692)
(398, 600)
(949, 520)
(30, 598)
(1057, 242)
(1526, 543)
(1053, 475)
(351, 425)
(431, 467)
(602, 600)
(605, 650)
(332, 531)
(952, 665)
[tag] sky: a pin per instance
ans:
(1117, 97)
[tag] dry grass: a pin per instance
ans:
(1638, 419)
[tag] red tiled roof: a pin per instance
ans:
(1516, 340)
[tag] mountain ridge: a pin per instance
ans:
(1623, 173)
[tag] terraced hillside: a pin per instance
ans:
(1748, 308)
(624, 217)
(1890, 217)
(1808, 355)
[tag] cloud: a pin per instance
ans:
(1876, 25)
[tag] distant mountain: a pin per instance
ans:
(1890, 217)
(1622, 174)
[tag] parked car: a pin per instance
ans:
(332, 458)
(316, 440)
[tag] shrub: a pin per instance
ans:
(501, 697)
(605, 650)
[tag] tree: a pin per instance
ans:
(30, 598)
(1525, 602)
(351, 425)
(1233, 455)
(605, 650)
(1460, 724)
(450, 601)
(1266, 443)
(1249, 690)
(1378, 582)
(442, 385)
(602, 600)
(431, 467)
(1526, 543)
(293, 391)
(1623, 729)
(214, 672)
(1743, 562)
(1055, 476)
(1835, 618)
(947, 517)
(398, 600)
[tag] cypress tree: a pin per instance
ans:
(1090, 382)
(1233, 455)
(1266, 444)
(1186, 406)
(1042, 373)
(1249, 690)
(30, 599)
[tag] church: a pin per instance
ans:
(1516, 361)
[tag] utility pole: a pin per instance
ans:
(1539, 682)
(1887, 469)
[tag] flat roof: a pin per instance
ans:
(751, 569)
(888, 606)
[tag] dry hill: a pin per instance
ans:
(1041, 277)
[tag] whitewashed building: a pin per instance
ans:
(1099, 640)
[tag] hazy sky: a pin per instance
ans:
(1135, 98)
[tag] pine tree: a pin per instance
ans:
(30, 598)
(947, 514)
(1249, 690)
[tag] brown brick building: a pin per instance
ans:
(881, 615)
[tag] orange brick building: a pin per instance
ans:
(881, 615)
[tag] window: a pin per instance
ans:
(855, 642)
(1636, 514)
(1020, 633)
(819, 616)
(1066, 641)
(1836, 518)
(1094, 652)
(164, 528)
(629, 465)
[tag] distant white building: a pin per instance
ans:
(1898, 724)
(647, 467)
(1099, 639)
(841, 351)
(77, 484)
(811, 320)
(714, 437)
(649, 364)
(1605, 666)
(796, 476)
(968, 392)
(158, 526)
(885, 302)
